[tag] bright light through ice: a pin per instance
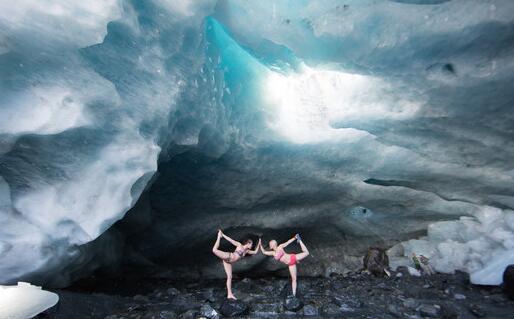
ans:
(303, 105)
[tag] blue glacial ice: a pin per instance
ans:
(400, 107)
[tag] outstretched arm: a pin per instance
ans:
(267, 252)
(233, 242)
(284, 245)
(253, 252)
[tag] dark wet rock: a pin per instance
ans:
(376, 261)
(208, 295)
(355, 295)
(431, 311)
(477, 310)
(331, 310)
(459, 296)
(346, 308)
(233, 308)
(410, 303)
(310, 310)
(451, 311)
(184, 302)
(190, 314)
(508, 281)
(208, 312)
(293, 303)
(497, 298)
(394, 310)
(173, 291)
(140, 298)
(346, 303)
(264, 309)
(166, 314)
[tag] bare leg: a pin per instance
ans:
(221, 254)
(304, 253)
(292, 272)
(228, 270)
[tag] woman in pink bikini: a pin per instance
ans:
(230, 258)
(277, 251)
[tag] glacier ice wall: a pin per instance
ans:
(86, 90)
(263, 116)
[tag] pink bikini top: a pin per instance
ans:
(279, 254)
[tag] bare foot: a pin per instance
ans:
(219, 233)
(231, 297)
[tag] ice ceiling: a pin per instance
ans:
(357, 122)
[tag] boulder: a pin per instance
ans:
(233, 308)
(376, 261)
(508, 281)
(292, 303)
(208, 312)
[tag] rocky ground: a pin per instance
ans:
(356, 295)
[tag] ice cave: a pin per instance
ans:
(131, 131)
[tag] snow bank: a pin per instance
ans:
(482, 245)
(24, 301)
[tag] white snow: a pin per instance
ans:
(24, 301)
(482, 245)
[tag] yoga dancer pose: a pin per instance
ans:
(277, 251)
(230, 258)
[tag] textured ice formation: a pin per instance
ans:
(85, 96)
(24, 301)
(482, 245)
(258, 115)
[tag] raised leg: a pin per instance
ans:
(221, 254)
(304, 253)
(228, 271)
(292, 272)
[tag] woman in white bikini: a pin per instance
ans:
(229, 258)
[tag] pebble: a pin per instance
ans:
(410, 303)
(459, 296)
(310, 310)
(477, 310)
(432, 311)
(394, 310)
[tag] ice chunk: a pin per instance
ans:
(24, 301)
(482, 246)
